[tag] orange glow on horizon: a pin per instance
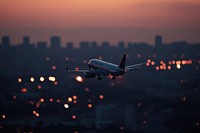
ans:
(22, 17)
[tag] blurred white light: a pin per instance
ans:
(79, 79)
(42, 79)
(178, 66)
(66, 106)
(52, 78)
(32, 79)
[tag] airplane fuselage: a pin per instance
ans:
(111, 68)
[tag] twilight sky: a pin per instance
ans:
(100, 20)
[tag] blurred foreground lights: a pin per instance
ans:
(184, 99)
(197, 124)
(23, 90)
(74, 97)
(101, 97)
(19, 80)
(69, 99)
(42, 79)
(178, 66)
(74, 117)
(66, 106)
(32, 79)
(52, 78)
(89, 105)
(42, 100)
(79, 79)
(37, 114)
(4, 116)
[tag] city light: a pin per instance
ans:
(101, 97)
(52, 78)
(42, 100)
(39, 87)
(19, 80)
(32, 79)
(89, 105)
(37, 114)
(53, 67)
(69, 99)
(3, 116)
(23, 90)
(178, 66)
(42, 79)
(79, 79)
(74, 117)
(66, 106)
(51, 99)
(74, 97)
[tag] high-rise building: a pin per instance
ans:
(26, 40)
(158, 41)
(55, 42)
(70, 45)
(6, 41)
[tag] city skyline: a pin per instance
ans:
(101, 20)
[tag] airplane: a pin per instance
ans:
(103, 68)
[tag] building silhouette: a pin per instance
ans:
(55, 42)
(158, 41)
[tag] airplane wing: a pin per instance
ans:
(136, 66)
(90, 73)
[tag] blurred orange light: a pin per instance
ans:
(69, 99)
(178, 66)
(75, 101)
(23, 90)
(161, 62)
(169, 67)
(42, 100)
(89, 105)
(152, 63)
(74, 117)
(19, 80)
(157, 68)
(178, 62)
(149, 60)
(58, 100)
(74, 97)
(34, 112)
(51, 99)
(55, 83)
(53, 67)
(37, 114)
(101, 96)
(76, 68)
(79, 79)
(39, 87)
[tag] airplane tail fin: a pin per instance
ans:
(123, 61)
